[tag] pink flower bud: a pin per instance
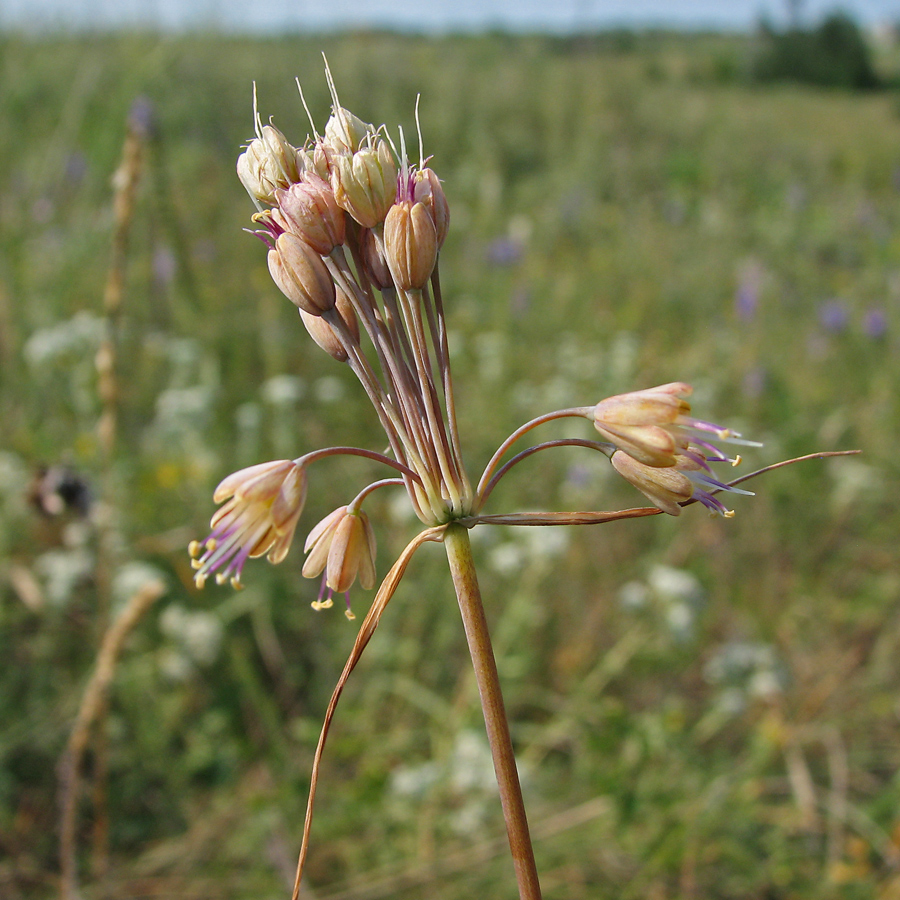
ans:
(428, 190)
(410, 244)
(301, 275)
(374, 263)
(309, 210)
(324, 335)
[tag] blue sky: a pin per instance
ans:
(421, 15)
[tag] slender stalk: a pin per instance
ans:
(547, 445)
(574, 412)
(465, 580)
(449, 401)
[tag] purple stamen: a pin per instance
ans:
(406, 184)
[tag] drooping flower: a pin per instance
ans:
(264, 504)
(343, 546)
(668, 487)
(654, 426)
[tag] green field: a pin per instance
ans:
(702, 708)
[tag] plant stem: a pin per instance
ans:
(465, 580)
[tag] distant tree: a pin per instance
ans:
(835, 54)
(795, 9)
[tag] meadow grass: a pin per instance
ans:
(702, 708)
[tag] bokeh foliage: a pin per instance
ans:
(724, 693)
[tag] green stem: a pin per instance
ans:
(465, 580)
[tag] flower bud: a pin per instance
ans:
(268, 164)
(410, 244)
(324, 335)
(343, 545)
(666, 487)
(365, 183)
(428, 190)
(309, 210)
(345, 132)
(321, 161)
(374, 263)
(301, 275)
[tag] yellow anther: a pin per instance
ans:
(237, 584)
(737, 460)
(211, 545)
(221, 578)
(200, 580)
(729, 514)
(349, 614)
(196, 564)
(194, 548)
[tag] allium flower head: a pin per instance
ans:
(653, 426)
(264, 504)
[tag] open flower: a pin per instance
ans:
(654, 426)
(668, 487)
(343, 546)
(260, 517)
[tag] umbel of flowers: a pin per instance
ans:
(354, 231)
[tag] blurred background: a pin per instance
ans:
(701, 707)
